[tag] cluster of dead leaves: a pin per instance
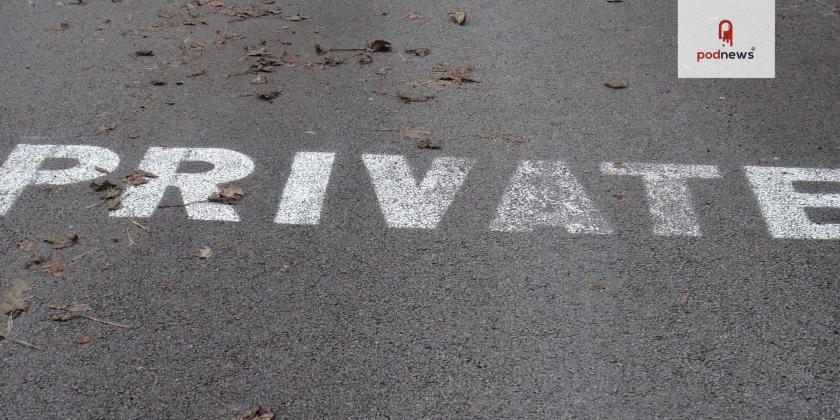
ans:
(112, 193)
(255, 412)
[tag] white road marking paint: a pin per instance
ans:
(784, 208)
(304, 193)
(228, 166)
(667, 191)
(21, 168)
(546, 194)
(406, 203)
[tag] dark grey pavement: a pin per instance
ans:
(351, 318)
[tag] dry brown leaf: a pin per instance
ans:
(269, 96)
(41, 264)
(414, 132)
(618, 163)
(157, 82)
(420, 52)
(82, 339)
(254, 51)
(297, 17)
(133, 135)
(144, 52)
(379, 45)
(382, 71)
(13, 301)
(616, 83)
(496, 134)
(365, 59)
(256, 412)
(333, 61)
(459, 17)
(428, 144)
(167, 14)
(407, 97)
(62, 26)
(413, 16)
(619, 195)
(593, 285)
(463, 74)
(227, 194)
(205, 253)
(106, 128)
(138, 177)
(259, 80)
(62, 240)
(198, 73)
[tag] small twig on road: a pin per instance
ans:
(169, 206)
(139, 225)
(105, 321)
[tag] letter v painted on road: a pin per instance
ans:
(407, 203)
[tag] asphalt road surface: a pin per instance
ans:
(539, 270)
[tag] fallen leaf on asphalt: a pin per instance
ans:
(70, 311)
(414, 132)
(138, 177)
(382, 71)
(319, 50)
(428, 144)
(413, 16)
(379, 45)
(167, 14)
(594, 285)
(198, 73)
(407, 97)
(254, 51)
(62, 240)
(205, 253)
(496, 134)
(134, 135)
(618, 163)
(420, 52)
(62, 26)
(269, 96)
(106, 128)
(462, 74)
(296, 18)
(157, 82)
(82, 339)
(259, 80)
(256, 412)
(41, 264)
(227, 194)
(458, 17)
(618, 195)
(616, 83)
(365, 59)
(13, 301)
(144, 52)
(333, 61)
(109, 192)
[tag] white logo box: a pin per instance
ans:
(704, 31)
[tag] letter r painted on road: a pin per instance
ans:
(21, 169)
(228, 166)
(784, 207)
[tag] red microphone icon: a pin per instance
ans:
(725, 31)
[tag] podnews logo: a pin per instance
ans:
(726, 39)
(725, 33)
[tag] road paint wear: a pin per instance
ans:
(540, 194)
(407, 203)
(784, 207)
(228, 166)
(546, 194)
(21, 169)
(305, 189)
(667, 191)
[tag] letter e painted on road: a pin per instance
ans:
(784, 207)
